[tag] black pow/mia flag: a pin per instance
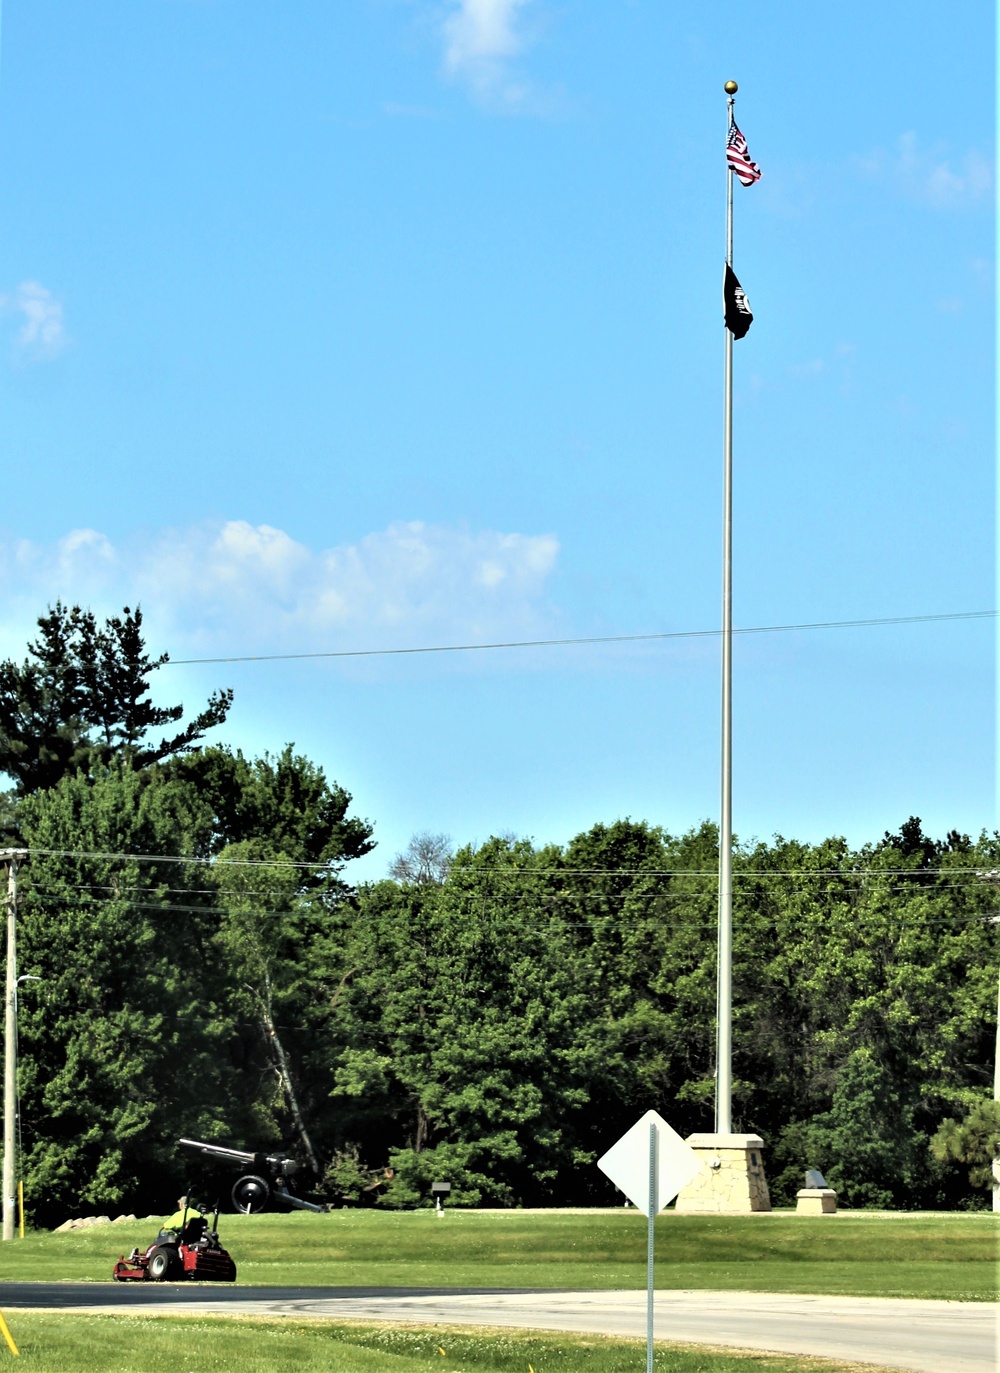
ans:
(738, 314)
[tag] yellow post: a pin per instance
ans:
(8, 1337)
(20, 1209)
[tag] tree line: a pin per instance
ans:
(493, 1016)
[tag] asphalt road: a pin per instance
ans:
(922, 1336)
(125, 1296)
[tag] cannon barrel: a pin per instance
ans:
(216, 1150)
(273, 1162)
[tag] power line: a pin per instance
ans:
(81, 903)
(185, 858)
(553, 922)
(121, 892)
(522, 873)
(594, 639)
(508, 872)
(574, 894)
(712, 872)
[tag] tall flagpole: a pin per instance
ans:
(724, 999)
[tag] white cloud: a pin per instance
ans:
(42, 334)
(397, 111)
(928, 174)
(481, 31)
(835, 369)
(481, 38)
(247, 588)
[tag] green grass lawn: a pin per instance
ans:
(941, 1255)
(127, 1344)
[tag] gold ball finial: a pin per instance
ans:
(731, 88)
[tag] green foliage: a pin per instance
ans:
(127, 1015)
(974, 1141)
(347, 1180)
(413, 1172)
(866, 1143)
(167, 987)
(285, 799)
(492, 1025)
(463, 1025)
(490, 1018)
(80, 698)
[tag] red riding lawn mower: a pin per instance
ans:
(194, 1255)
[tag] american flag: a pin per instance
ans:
(738, 157)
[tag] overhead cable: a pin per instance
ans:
(592, 639)
(860, 919)
(510, 872)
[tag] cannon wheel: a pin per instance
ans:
(251, 1194)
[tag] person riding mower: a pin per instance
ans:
(185, 1249)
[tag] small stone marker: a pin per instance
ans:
(627, 1163)
(817, 1197)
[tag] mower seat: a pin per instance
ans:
(194, 1230)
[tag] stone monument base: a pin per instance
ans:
(816, 1201)
(732, 1179)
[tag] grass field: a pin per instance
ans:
(125, 1344)
(899, 1255)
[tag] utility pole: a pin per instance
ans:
(11, 857)
(995, 920)
(996, 1089)
(993, 877)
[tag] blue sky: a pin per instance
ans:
(387, 323)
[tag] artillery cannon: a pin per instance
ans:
(263, 1177)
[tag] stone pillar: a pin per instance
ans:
(732, 1179)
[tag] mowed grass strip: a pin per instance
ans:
(943, 1255)
(51, 1343)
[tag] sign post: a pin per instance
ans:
(650, 1238)
(650, 1164)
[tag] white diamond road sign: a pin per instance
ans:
(627, 1163)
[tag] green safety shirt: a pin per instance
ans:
(180, 1218)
